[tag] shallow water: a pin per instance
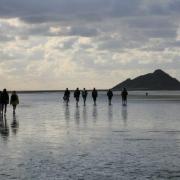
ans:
(48, 140)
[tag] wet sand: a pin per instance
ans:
(48, 140)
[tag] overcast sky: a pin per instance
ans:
(54, 44)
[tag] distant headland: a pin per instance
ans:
(158, 80)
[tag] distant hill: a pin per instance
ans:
(158, 80)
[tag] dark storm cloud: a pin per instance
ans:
(125, 8)
(83, 31)
(151, 22)
(37, 11)
(115, 44)
(45, 30)
(175, 6)
(81, 14)
(161, 33)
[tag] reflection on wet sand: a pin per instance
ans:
(124, 115)
(95, 113)
(4, 129)
(85, 114)
(77, 115)
(110, 113)
(81, 115)
(67, 114)
(14, 125)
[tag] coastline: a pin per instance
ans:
(89, 90)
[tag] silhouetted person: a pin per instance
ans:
(66, 96)
(109, 95)
(84, 95)
(1, 103)
(5, 100)
(146, 93)
(14, 101)
(76, 95)
(94, 95)
(124, 94)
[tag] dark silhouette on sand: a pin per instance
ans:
(4, 100)
(84, 95)
(94, 95)
(76, 95)
(109, 95)
(1, 103)
(66, 96)
(14, 101)
(158, 80)
(124, 95)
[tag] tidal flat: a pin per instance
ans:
(48, 140)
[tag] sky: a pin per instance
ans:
(54, 44)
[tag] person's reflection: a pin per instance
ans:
(14, 125)
(85, 114)
(77, 115)
(4, 129)
(67, 114)
(1, 124)
(95, 113)
(110, 113)
(124, 114)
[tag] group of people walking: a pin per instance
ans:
(77, 94)
(94, 95)
(4, 101)
(14, 100)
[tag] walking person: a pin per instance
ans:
(94, 95)
(66, 96)
(1, 103)
(84, 95)
(109, 95)
(76, 95)
(124, 95)
(5, 100)
(14, 101)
